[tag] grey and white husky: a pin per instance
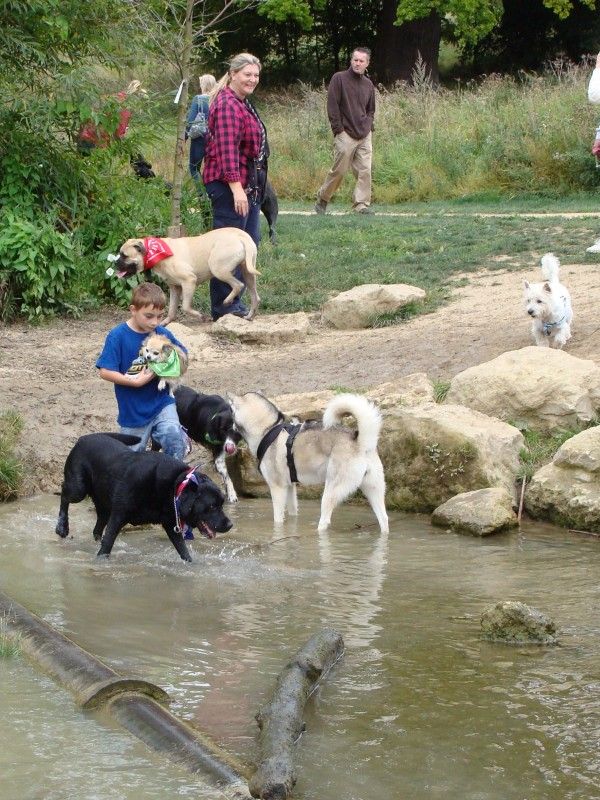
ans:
(311, 453)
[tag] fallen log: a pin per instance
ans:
(280, 721)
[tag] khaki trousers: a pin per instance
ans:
(354, 154)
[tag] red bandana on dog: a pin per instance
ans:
(156, 250)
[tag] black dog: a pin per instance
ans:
(208, 421)
(139, 489)
(270, 208)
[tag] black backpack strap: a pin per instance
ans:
(293, 431)
(268, 439)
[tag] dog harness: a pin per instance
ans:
(293, 429)
(548, 326)
(156, 250)
(192, 477)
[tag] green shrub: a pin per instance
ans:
(11, 469)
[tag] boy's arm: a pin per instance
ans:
(139, 379)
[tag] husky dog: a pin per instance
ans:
(344, 459)
(549, 305)
(164, 358)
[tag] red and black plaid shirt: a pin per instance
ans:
(234, 139)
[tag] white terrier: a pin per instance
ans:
(549, 306)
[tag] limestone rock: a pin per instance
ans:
(534, 387)
(410, 390)
(357, 307)
(514, 622)
(274, 329)
(567, 491)
(305, 405)
(478, 513)
(433, 452)
(196, 340)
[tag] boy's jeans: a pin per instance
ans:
(165, 429)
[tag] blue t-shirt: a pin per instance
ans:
(137, 407)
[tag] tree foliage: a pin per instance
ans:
(472, 20)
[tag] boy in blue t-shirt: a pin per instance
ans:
(144, 411)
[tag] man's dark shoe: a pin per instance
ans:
(365, 210)
(321, 207)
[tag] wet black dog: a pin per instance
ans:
(208, 421)
(139, 489)
(270, 208)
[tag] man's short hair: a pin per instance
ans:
(148, 294)
(364, 50)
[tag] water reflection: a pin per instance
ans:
(418, 708)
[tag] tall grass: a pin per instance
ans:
(11, 469)
(501, 135)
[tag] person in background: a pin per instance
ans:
(351, 110)
(197, 139)
(143, 409)
(235, 163)
(91, 135)
(594, 97)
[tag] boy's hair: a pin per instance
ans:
(148, 294)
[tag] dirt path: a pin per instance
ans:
(49, 375)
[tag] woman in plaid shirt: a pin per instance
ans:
(235, 163)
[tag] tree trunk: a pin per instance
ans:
(399, 48)
(175, 228)
(280, 721)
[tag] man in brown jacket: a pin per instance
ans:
(351, 109)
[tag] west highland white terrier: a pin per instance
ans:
(549, 305)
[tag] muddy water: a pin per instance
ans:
(418, 708)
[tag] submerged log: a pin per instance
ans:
(280, 721)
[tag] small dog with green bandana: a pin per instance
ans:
(165, 359)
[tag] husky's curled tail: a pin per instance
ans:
(367, 415)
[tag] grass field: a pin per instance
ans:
(317, 256)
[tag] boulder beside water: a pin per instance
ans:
(513, 622)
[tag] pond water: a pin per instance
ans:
(418, 708)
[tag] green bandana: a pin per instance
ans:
(171, 368)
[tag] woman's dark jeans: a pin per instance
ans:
(197, 147)
(225, 216)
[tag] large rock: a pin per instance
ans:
(410, 390)
(357, 307)
(433, 452)
(535, 387)
(567, 491)
(478, 513)
(196, 340)
(513, 622)
(274, 329)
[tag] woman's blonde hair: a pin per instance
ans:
(207, 83)
(235, 65)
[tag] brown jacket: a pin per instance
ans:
(351, 104)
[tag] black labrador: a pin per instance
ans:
(134, 488)
(208, 421)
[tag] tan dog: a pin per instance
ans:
(186, 262)
(157, 353)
